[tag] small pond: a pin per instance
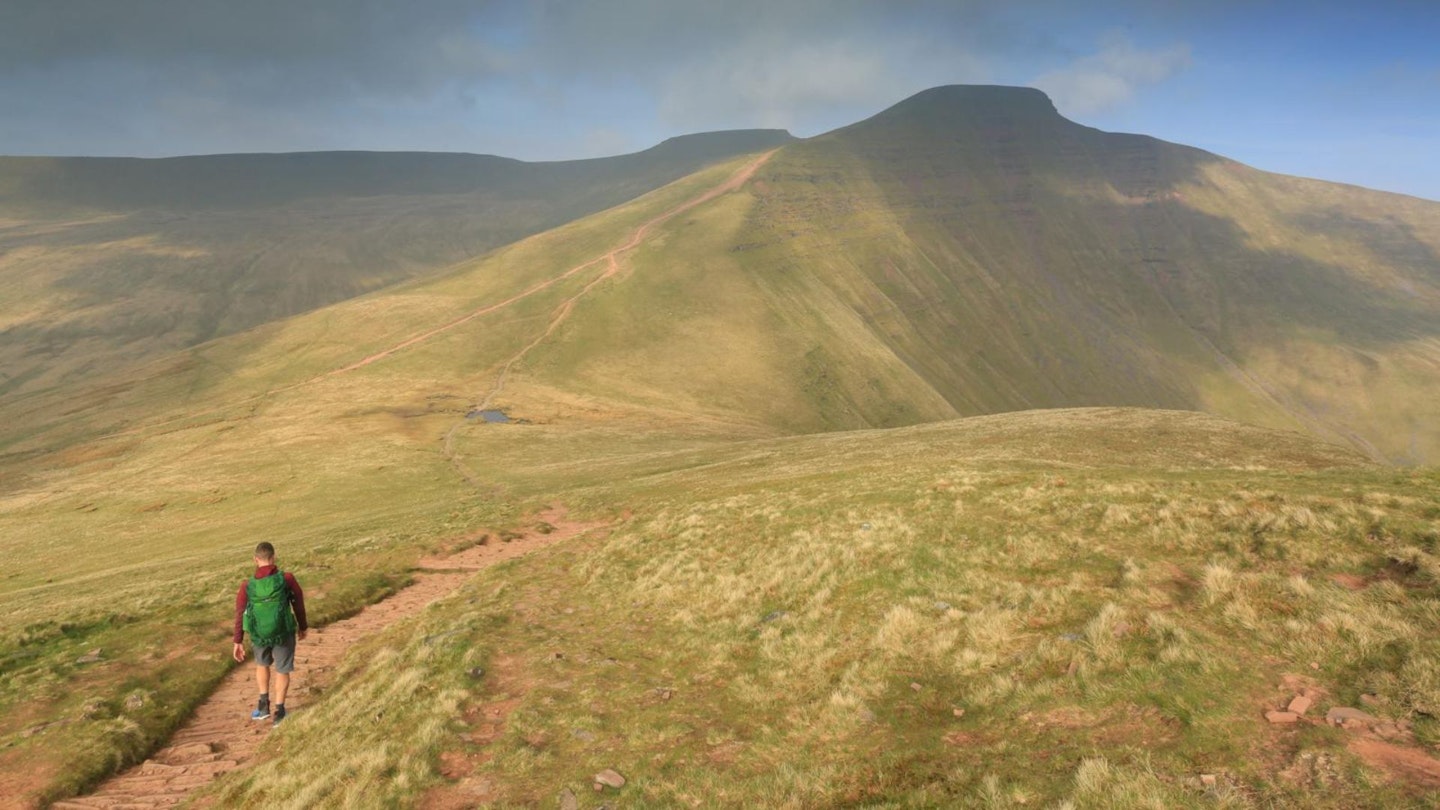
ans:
(488, 415)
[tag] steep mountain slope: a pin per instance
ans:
(111, 261)
(970, 251)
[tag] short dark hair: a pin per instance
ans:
(265, 551)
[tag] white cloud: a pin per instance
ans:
(777, 87)
(798, 84)
(1111, 77)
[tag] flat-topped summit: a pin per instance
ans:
(969, 105)
(976, 98)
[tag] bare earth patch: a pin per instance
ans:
(1409, 765)
(1375, 740)
(486, 722)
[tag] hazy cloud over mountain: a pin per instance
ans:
(1111, 77)
(553, 79)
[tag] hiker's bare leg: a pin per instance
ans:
(262, 679)
(282, 683)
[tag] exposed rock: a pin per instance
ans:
(664, 693)
(89, 658)
(916, 687)
(1345, 715)
(197, 750)
(610, 778)
(1208, 780)
(568, 800)
(942, 606)
(135, 702)
(1282, 717)
(1299, 705)
(773, 615)
(482, 788)
(958, 712)
(477, 672)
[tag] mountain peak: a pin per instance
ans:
(1021, 111)
(983, 96)
(953, 101)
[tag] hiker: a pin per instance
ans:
(271, 608)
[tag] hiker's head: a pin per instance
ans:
(264, 554)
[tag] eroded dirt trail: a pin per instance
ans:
(220, 736)
(609, 259)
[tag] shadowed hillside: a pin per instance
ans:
(112, 261)
(970, 251)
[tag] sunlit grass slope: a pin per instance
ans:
(108, 261)
(1093, 607)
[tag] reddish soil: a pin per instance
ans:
(1386, 746)
(220, 737)
(1353, 582)
(1409, 765)
(486, 722)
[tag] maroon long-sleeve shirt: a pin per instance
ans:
(297, 600)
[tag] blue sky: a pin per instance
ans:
(1341, 91)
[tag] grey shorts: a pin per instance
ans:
(281, 657)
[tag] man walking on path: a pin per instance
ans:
(271, 608)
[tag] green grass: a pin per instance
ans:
(1112, 623)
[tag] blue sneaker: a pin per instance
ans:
(262, 711)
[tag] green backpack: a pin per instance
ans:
(269, 621)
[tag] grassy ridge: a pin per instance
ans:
(963, 255)
(114, 261)
(796, 622)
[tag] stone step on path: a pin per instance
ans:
(220, 736)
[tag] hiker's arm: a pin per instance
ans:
(297, 600)
(241, 600)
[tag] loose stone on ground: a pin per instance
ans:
(610, 778)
